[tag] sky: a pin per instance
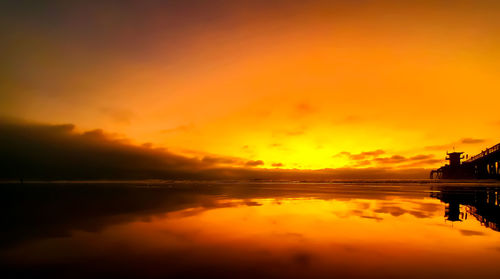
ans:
(305, 85)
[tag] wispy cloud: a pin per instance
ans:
(255, 163)
(457, 143)
(369, 158)
(360, 156)
(472, 140)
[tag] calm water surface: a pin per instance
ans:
(262, 230)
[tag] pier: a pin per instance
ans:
(485, 165)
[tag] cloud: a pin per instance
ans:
(365, 154)
(471, 233)
(340, 154)
(256, 163)
(444, 147)
(421, 163)
(277, 165)
(373, 153)
(472, 141)
(422, 157)
(41, 151)
(362, 155)
(57, 152)
(372, 217)
(391, 160)
(414, 161)
(221, 160)
(368, 158)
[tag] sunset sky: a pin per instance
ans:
(260, 84)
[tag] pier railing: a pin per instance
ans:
(484, 153)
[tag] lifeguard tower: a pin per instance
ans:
(454, 159)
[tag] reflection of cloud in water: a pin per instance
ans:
(398, 211)
(470, 233)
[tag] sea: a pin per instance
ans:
(250, 229)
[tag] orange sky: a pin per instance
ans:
(292, 84)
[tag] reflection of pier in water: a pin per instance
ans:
(481, 202)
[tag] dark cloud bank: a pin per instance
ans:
(56, 152)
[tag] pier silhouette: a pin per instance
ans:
(485, 165)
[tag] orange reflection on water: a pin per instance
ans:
(282, 237)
